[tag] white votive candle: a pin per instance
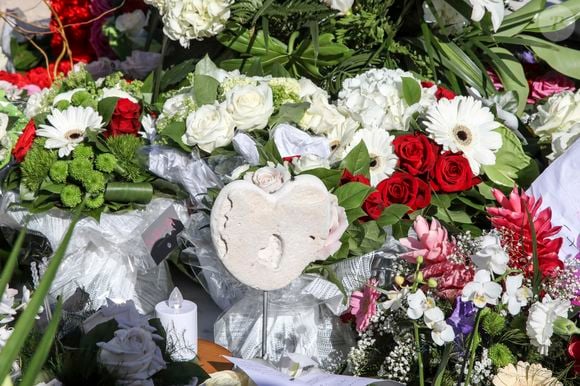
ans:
(179, 319)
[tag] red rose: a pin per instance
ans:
(574, 352)
(349, 177)
(416, 152)
(125, 119)
(403, 188)
(452, 173)
(374, 205)
(441, 92)
(24, 142)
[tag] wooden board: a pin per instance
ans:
(210, 357)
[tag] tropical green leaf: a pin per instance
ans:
(562, 59)
(517, 21)
(106, 107)
(176, 73)
(555, 17)
(452, 216)
(511, 73)
(175, 131)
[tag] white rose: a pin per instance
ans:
(3, 124)
(179, 105)
(322, 117)
(337, 228)
(250, 106)
(269, 178)
(125, 314)
(343, 6)
(209, 127)
(131, 23)
(309, 162)
(132, 355)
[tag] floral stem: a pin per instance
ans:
(473, 348)
(159, 70)
(419, 355)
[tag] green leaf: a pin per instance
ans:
(442, 200)
(22, 58)
(354, 214)
(12, 262)
(26, 321)
(392, 214)
(352, 195)
(512, 75)
(330, 177)
(510, 160)
(279, 71)
(176, 73)
(357, 161)
(175, 131)
(41, 352)
(106, 107)
(256, 68)
(485, 191)
(269, 153)
(206, 67)
(561, 58)
(411, 91)
(289, 113)
(452, 216)
(517, 21)
(205, 89)
(555, 17)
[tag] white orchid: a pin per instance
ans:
(491, 255)
(516, 296)
(423, 306)
(442, 333)
(481, 291)
(496, 8)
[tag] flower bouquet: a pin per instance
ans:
(492, 309)
(82, 146)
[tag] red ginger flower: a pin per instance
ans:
(512, 220)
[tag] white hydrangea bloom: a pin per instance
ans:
(375, 99)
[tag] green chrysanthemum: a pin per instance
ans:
(94, 202)
(79, 168)
(493, 323)
(501, 355)
(70, 196)
(62, 105)
(59, 172)
(37, 164)
(83, 151)
(84, 99)
(106, 162)
(94, 182)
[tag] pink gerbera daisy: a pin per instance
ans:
(363, 305)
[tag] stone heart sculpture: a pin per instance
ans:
(267, 239)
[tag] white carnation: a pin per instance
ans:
(185, 20)
(540, 324)
(375, 99)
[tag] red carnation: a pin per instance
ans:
(404, 188)
(441, 92)
(416, 152)
(452, 173)
(125, 119)
(24, 142)
(574, 352)
(347, 177)
(15, 78)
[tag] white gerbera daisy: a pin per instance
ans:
(465, 125)
(67, 128)
(380, 146)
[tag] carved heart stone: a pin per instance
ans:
(267, 239)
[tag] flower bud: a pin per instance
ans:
(399, 280)
(419, 259)
(566, 327)
(420, 277)
(432, 283)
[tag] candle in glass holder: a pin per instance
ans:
(179, 319)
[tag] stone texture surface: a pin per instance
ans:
(266, 240)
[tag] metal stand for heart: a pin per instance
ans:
(264, 325)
